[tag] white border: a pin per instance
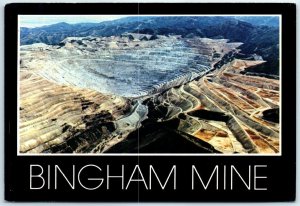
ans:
(159, 154)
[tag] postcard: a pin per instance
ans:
(146, 102)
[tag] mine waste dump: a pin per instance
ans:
(142, 93)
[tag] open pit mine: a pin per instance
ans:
(137, 93)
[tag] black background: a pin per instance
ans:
(281, 170)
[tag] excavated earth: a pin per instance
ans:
(141, 93)
(223, 111)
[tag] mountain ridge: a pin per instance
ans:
(258, 39)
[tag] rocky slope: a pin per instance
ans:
(52, 114)
(130, 65)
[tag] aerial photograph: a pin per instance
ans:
(150, 85)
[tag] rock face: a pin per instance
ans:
(143, 93)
